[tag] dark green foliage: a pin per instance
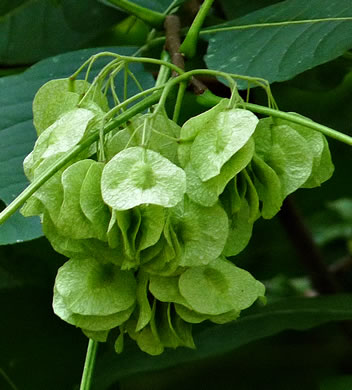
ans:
(164, 222)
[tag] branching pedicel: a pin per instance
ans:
(147, 211)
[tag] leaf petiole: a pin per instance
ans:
(189, 45)
(148, 16)
(180, 94)
(164, 71)
(301, 121)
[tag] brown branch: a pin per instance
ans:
(172, 44)
(309, 253)
(173, 41)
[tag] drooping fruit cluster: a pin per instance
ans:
(147, 227)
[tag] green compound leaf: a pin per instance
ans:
(138, 176)
(272, 51)
(323, 167)
(87, 322)
(207, 192)
(218, 136)
(286, 152)
(91, 288)
(219, 287)
(201, 232)
(56, 97)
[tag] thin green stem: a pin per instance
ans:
(301, 121)
(164, 71)
(181, 92)
(155, 61)
(145, 123)
(187, 75)
(126, 59)
(134, 78)
(151, 43)
(125, 82)
(208, 99)
(173, 4)
(75, 151)
(89, 365)
(189, 45)
(153, 18)
(132, 136)
(166, 135)
(114, 94)
(101, 75)
(124, 104)
(92, 59)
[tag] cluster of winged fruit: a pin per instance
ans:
(147, 227)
